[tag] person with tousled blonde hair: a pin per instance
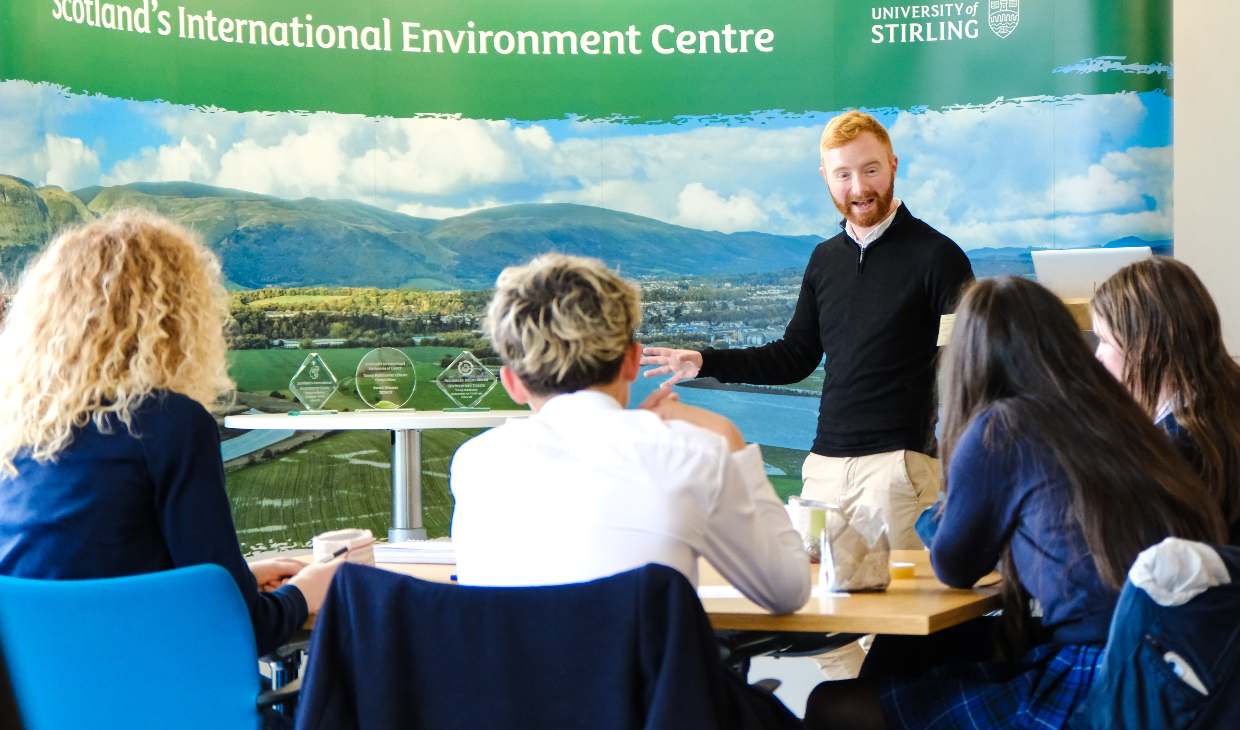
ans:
(110, 463)
(1159, 333)
(585, 488)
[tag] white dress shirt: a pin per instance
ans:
(584, 489)
(877, 230)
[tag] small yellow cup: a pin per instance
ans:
(902, 571)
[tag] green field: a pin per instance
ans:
(343, 479)
(293, 301)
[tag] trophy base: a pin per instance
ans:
(313, 412)
(466, 410)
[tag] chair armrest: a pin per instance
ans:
(279, 696)
(297, 643)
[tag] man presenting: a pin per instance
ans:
(870, 301)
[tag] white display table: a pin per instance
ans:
(406, 428)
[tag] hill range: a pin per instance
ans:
(263, 240)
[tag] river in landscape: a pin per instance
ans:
(777, 420)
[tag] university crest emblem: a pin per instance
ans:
(1004, 17)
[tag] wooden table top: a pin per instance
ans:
(917, 606)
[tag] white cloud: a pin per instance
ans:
(300, 164)
(698, 206)
(436, 156)
(1097, 191)
(439, 212)
(29, 150)
(629, 196)
(990, 175)
(182, 161)
(70, 163)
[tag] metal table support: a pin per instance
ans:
(406, 486)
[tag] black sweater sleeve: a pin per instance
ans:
(947, 278)
(789, 359)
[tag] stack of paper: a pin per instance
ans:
(438, 552)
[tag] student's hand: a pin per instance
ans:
(661, 394)
(680, 364)
(674, 410)
(313, 581)
(275, 572)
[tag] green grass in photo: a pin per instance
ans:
(341, 480)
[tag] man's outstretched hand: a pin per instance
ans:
(678, 364)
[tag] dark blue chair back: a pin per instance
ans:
(631, 651)
(160, 650)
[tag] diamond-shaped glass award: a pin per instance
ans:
(386, 378)
(313, 383)
(466, 381)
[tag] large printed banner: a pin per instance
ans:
(642, 60)
(364, 170)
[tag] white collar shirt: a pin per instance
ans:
(877, 231)
(585, 489)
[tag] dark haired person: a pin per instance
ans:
(1159, 334)
(1054, 475)
(585, 488)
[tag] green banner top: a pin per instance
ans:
(638, 60)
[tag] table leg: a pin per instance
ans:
(406, 487)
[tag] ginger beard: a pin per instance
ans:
(867, 209)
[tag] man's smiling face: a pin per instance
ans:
(861, 177)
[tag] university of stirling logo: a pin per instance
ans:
(1004, 17)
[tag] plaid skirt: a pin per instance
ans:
(1039, 691)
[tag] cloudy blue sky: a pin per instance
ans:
(1046, 172)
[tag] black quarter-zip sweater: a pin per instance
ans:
(875, 314)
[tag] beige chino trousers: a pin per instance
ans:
(901, 484)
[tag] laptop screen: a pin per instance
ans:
(1077, 273)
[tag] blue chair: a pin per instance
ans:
(160, 650)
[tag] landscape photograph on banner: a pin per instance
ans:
(341, 232)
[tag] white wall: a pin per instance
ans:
(1207, 150)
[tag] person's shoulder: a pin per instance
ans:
(934, 239)
(984, 433)
(830, 244)
(167, 407)
(829, 253)
(685, 436)
(476, 447)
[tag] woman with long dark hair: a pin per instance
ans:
(1056, 476)
(1159, 334)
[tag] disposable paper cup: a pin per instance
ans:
(361, 545)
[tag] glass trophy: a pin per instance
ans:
(385, 379)
(313, 384)
(466, 381)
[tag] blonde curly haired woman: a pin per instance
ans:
(110, 463)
